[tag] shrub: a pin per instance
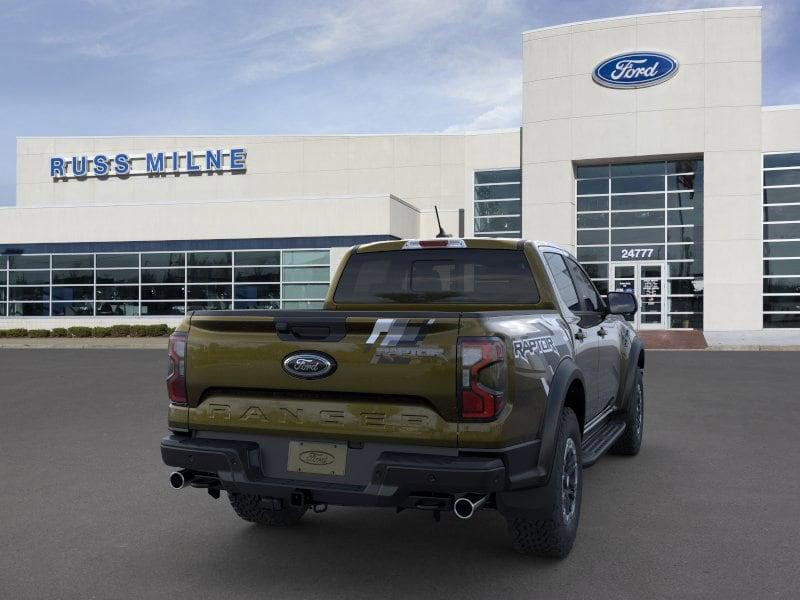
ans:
(38, 333)
(80, 332)
(2, 333)
(157, 330)
(16, 333)
(138, 330)
(101, 332)
(120, 330)
(59, 332)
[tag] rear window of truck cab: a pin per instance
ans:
(437, 276)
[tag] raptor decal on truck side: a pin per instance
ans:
(539, 345)
(533, 345)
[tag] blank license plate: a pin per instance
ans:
(313, 457)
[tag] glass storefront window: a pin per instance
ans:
(209, 292)
(29, 293)
(29, 278)
(209, 259)
(499, 176)
(256, 305)
(162, 309)
(28, 309)
(257, 257)
(648, 212)
(163, 276)
(309, 291)
(30, 261)
(163, 259)
(72, 309)
(72, 292)
(73, 277)
(117, 261)
(306, 274)
(781, 250)
(117, 292)
(256, 274)
(109, 276)
(208, 305)
(257, 292)
(497, 203)
(163, 292)
(213, 275)
(306, 257)
(304, 305)
(161, 283)
(73, 261)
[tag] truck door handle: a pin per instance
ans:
(602, 332)
(580, 335)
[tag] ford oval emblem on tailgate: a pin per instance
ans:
(309, 365)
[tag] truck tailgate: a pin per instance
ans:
(393, 377)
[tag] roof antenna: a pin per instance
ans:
(442, 233)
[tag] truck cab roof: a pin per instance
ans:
(488, 243)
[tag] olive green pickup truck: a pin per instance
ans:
(443, 375)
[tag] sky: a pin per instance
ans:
(161, 67)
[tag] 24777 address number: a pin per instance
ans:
(637, 253)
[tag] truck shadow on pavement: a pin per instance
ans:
(371, 553)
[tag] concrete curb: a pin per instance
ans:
(731, 348)
(755, 347)
(159, 343)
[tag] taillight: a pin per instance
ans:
(482, 384)
(176, 376)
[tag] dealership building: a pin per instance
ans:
(644, 149)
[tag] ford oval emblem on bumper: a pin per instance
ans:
(316, 457)
(309, 365)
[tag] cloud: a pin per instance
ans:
(331, 34)
(106, 29)
(497, 117)
(488, 87)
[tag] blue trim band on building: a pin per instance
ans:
(190, 245)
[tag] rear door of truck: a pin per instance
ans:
(392, 377)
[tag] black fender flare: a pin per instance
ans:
(637, 349)
(522, 502)
(565, 374)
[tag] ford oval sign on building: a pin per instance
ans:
(635, 70)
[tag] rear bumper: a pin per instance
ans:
(397, 479)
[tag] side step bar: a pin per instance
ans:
(600, 440)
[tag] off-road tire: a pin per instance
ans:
(551, 532)
(250, 508)
(630, 441)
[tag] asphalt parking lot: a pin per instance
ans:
(709, 509)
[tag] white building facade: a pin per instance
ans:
(662, 171)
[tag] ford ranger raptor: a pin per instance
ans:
(444, 375)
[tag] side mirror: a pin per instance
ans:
(622, 303)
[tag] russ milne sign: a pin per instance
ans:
(635, 70)
(151, 163)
